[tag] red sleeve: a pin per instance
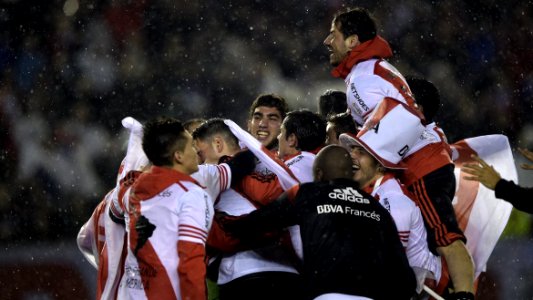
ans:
(260, 189)
(192, 270)
(219, 240)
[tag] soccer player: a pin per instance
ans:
(382, 184)
(430, 177)
(265, 117)
(168, 217)
(266, 272)
(101, 239)
(331, 102)
(338, 124)
(381, 101)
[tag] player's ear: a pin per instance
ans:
(178, 156)
(218, 143)
(292, 140)
(352, 41)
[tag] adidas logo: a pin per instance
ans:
(348, 194)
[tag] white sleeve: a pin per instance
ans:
(195, 216)
(86, 241)
(216, 178)
(417, 250)
(363, 94)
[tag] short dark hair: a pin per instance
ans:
(343, 122)
(270, 100)
(356, 21)
(332, 102)
(161, 138)
(308, 127)
(426, 95)
(188, 124)
(213, 126)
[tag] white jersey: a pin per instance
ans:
(410, 224)
(366, 87)
(432, 134)
(301, 166)
(270, 259)
(182, 213)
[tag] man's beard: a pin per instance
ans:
(273, 145)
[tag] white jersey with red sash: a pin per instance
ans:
(371, 81)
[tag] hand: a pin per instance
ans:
(529, 155)
(481, 172)
(144, 230)
(226, 221)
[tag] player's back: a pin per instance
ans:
(350, 242)
(179, 210)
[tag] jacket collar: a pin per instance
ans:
(374, 48)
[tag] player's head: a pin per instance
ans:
(426, 94)
(301, 130)
(331, 102)
(367, 168)
(332, 162)
(266, 113)
(166, 143)
(338, 124)
(214, 139)
(348, 30)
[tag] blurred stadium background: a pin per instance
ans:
(71, 70)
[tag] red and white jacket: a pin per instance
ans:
(367, 85)
(171, 264)
(380, 101)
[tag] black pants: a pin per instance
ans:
(263, 286)
(433, 195)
